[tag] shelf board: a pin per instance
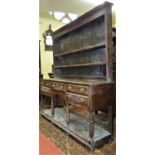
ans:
(73, 76)
(80, 65)
(81, 49)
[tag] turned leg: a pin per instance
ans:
(110, 117)
(67, 113)
(52, 107)
(42, 102)
(91, 130)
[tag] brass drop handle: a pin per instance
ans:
(82, 99)
(82, 90)
(69, 87)
(69, 96)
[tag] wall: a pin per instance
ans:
(46, 56)
(114, 19)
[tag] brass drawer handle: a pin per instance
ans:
(69, 87)
(69, 96)
(82, 90)
(82, 99)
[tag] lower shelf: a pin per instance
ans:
(78, 127)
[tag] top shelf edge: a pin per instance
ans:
(89, 16)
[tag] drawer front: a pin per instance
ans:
(45, 90)
(83, 90)
(77, 99)
(45, 83)
(58, 86)
(41, 83)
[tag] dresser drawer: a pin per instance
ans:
(41, 83)
(58, 86)
(44, 89)
(77, 99)
(83, 90)
(45, 83)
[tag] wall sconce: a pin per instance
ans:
(48, 40)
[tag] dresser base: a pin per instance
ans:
(78, 127)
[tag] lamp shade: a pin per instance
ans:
(59, 15)
(72, 16)
(66, 20)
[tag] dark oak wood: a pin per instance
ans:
(81, 65)
(81, 49)
(77, 80)
(84, 19)
(91, 95)
(114, 70)
(40, 70)
(108, 32)
(78, 76)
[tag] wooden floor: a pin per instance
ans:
(67, 144)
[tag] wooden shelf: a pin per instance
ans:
(78, 76)
(80, 65)
(81, 49)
